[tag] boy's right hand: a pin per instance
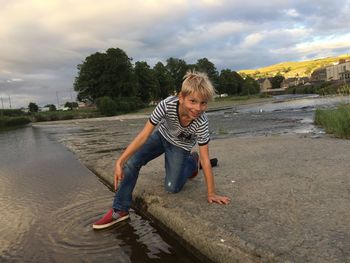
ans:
(118, 174)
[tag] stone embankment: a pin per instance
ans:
(290, 193)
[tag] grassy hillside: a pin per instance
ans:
(293, 69)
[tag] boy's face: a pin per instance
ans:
(192, 105)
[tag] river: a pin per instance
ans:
(286, 114)
(48, 201)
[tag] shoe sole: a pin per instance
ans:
(99, 227)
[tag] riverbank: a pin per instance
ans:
(290, 193)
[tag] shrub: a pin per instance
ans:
(106, 106)
(6, 121)
(109, 107)
(11, 113)
(335, 121)
(128, 104)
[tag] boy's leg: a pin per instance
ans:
(179, 166)
(150, 150)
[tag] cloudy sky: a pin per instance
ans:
(43, 41)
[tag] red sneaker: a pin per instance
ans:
(196, 158)
(110, 219)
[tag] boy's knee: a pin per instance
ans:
(132, 164)
(171, 188)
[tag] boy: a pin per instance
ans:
(182, 122)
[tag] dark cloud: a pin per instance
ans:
(43, 42)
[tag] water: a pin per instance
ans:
(48, 202)
(288, 114)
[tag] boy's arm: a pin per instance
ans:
(136, 143)
(209, 178)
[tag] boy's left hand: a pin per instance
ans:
(223, 200)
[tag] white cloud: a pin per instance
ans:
(252, 40)
(292, 12)
(43, 41)
(318, 47)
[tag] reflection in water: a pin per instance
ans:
(48, 202)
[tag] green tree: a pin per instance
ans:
(276, 81)
(33, 107)
(227, 82)
(71, 105)
(239, 80)
(204, 65)
(147, 83)
(88, 82)
(250, 86)
(105, 74)
(166, 84)
(177, 69)
(119, 75)
(51, 107)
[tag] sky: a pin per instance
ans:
(43, 41)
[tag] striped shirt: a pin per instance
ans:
(166, 115)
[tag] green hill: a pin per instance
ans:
(293, 69)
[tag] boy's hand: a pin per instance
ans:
(118, 174)
(223, 200)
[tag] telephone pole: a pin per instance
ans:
(58, 103)
(2, 111)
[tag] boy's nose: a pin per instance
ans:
(198, 107)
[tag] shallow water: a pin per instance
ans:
(287, 114)
(48, 202)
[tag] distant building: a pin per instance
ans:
(292, 82)
(266, 87)
(85, 105)
(43, 109)
(339, 71)
(345, 75)
(265, 84)
(319, 74)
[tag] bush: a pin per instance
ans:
(106, 106)
(6, 121)
(45, 116)
(11, 113)
(335, 121)
(109, 107)
(129, 104)
(64, 115)
(305, 89)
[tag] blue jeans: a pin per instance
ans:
(179, 165)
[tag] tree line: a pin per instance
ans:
(112, 76)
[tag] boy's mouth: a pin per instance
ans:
(195, 114)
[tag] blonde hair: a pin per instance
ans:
(197, 82)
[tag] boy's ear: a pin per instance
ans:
(181, 96)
